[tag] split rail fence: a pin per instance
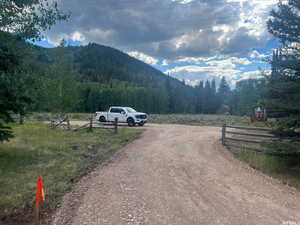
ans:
(236, 137)
(65, 124)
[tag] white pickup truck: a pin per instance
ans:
(124, 114)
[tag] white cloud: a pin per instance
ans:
(254, 74)
(220, 67)
(175, 29)
(221, 61)
(254, 14)
(210, 70)
(188, 69)
(243, 61)
(183, 1)
(215, 69)
(222, 64)
(100, 35)
(216, 36)
(165, 62)
(255, 54)
(194, 59)
(77, 36)
(57, 39)
(143, 57)
(229, 62)
(226, 32)
(251, 74)
(192, 82)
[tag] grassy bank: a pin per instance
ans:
(60, 157)
(283, 168)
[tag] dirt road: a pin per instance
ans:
(178, 175)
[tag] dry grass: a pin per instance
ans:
(202, 119)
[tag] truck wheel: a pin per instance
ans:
(102, 119)
(130, 122)
(141, 124)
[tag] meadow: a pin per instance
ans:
(189, 119)
(198, 119)
(60, 157)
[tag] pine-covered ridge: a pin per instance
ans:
(99, 63)
(106, 76)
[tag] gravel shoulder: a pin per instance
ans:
(178, 175)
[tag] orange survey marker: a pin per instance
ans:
(40, 194)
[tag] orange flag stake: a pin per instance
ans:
(40, 196)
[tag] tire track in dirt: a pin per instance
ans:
(178, 175)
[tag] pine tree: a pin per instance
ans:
(213, 87)
(206, 97)
(199, 97)
(224, 91)
(284, 22)
(60, 83)
(13, 94)
(20, 20)
(214, 98)
(283, 95)
(246, 95)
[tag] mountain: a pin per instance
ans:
(98, 63)
(94, 77)
(110, 77)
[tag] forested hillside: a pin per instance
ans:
(99, 63)
(105, 76)
(94, 77)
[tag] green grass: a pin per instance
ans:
(202, 119)
(60, 157)
(47, 116)
(189, 119)
(283, 168)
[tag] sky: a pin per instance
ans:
(192, 40)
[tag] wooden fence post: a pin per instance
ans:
(68, 123)
(21, 118)
(52, 123)
(223, 134)
(91, 123)
(116, 125)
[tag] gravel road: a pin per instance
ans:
(178, 175)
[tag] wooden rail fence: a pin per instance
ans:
(264, 137)
(65, 124)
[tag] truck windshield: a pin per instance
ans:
(130, 110)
